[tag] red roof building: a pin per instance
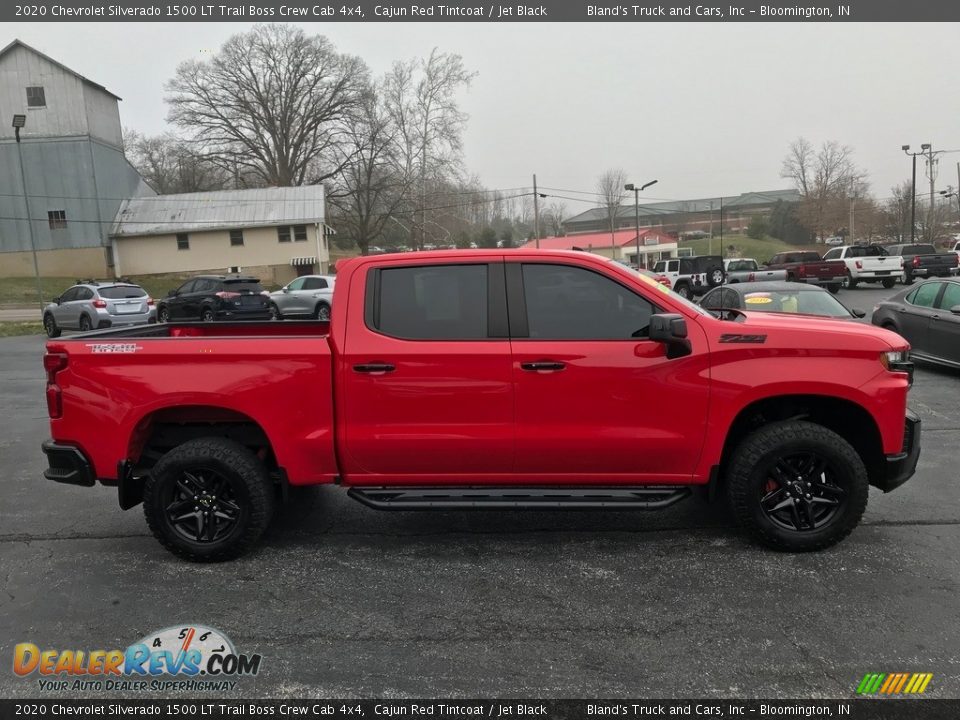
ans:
(620, 245)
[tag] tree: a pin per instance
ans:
(273, 101)
(488, 238)
(896, 212)
(420, 97)
(553, 218)
(758, 227)
(169, 166)
(370, 189)
(784, 224)
(610, 189)
(506, 238)
(827, 179)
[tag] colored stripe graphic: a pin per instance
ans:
(894, 683)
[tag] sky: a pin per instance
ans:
(705, 109)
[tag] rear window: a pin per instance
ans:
(918, 250)
(118, 292)
(735, 265)
(241, 286)
(869, 251)
(806, 257)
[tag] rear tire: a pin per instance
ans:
(780, 495)
(275, 313)
(322, 312)
(889, 283)
(849, 281)
(834, 288)
(85, 325)
(50, 325)
(208, 500)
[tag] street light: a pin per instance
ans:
(636, 209)
(913, 187)
(20, 121)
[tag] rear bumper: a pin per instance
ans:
(822, 281)
(67, 464)
(900, 467)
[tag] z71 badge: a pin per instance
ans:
(114, 347)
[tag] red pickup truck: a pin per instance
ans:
(808, 267)
(486, 379)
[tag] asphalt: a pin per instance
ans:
(344, 601)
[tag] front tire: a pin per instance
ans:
(797, 486)
(208, 315)
(683, 290)
(51, 327)
(275, 313)
(208, 500)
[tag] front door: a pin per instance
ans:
(425, 381)
(596, 401)
(914, 316)
(944, 332)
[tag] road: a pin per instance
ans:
(343, 601)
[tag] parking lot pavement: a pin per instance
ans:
(343, 601)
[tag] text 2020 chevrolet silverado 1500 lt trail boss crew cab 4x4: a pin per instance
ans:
(488, 379)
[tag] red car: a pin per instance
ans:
(486, 379)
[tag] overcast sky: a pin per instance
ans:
(705, 109)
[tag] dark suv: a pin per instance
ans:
(216, 297)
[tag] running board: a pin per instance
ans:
(547, 498)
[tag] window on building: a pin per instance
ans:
(236, 237)
(300, 233)
(183, 241)
(283, 234)
(36, 97)
(57, 219)
(446, 302)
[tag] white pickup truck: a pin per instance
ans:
(867, 263)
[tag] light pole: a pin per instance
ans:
(913, 188)
(20, 121)
(636, 209)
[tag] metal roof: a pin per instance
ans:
(672, 207)
(20, 43)
(220, 210)
(621, 238)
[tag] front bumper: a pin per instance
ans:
(67, 464)
(900, 467)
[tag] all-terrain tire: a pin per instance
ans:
(749, 473)
(252, 493)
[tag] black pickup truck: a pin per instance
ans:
(923, 261)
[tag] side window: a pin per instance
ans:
(297, 284)
(571, 303)
(775, 260)
(70, 295)
(951, 296)
(673, 266)
(84, 294)
(207, 285)
(437, 302)
(315, 284)
(188, 287)
(924, 295)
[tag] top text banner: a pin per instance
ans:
(479, 11)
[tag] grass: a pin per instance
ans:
(759, 250)
(10, 329)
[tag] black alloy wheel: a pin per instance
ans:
(801, 492)
(202, 505)
(208, 315)
(163, 315)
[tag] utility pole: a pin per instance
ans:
(20, 121)
(536, 212)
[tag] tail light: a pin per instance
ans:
(150, 302)
(265, 293)
(751, 277)
(859, 265)
(916, 261)
(98, 303)
(801, 271)
(224, 295)
(54, 363)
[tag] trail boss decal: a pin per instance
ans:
(114, 347)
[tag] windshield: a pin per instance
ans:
(800, 302)
(241, 286)
(662, 288)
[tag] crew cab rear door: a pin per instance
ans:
(596, 400)
(425, 388)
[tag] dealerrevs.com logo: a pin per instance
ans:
(191, 657)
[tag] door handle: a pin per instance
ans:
(542, 365)
(934, 317)
(374, 368)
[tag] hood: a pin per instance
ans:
(829, 331)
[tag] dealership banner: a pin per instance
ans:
(211, 709)
(482, 11)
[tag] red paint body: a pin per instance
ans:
(463, 412)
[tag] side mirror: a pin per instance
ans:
(670, 329)
(286, 290)
(171, 293)
(955, 309)
(56, 300)
(857, 313)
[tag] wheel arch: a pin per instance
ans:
(846, 418)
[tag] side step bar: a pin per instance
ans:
(648, 497)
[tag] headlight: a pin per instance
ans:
(892, 358)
